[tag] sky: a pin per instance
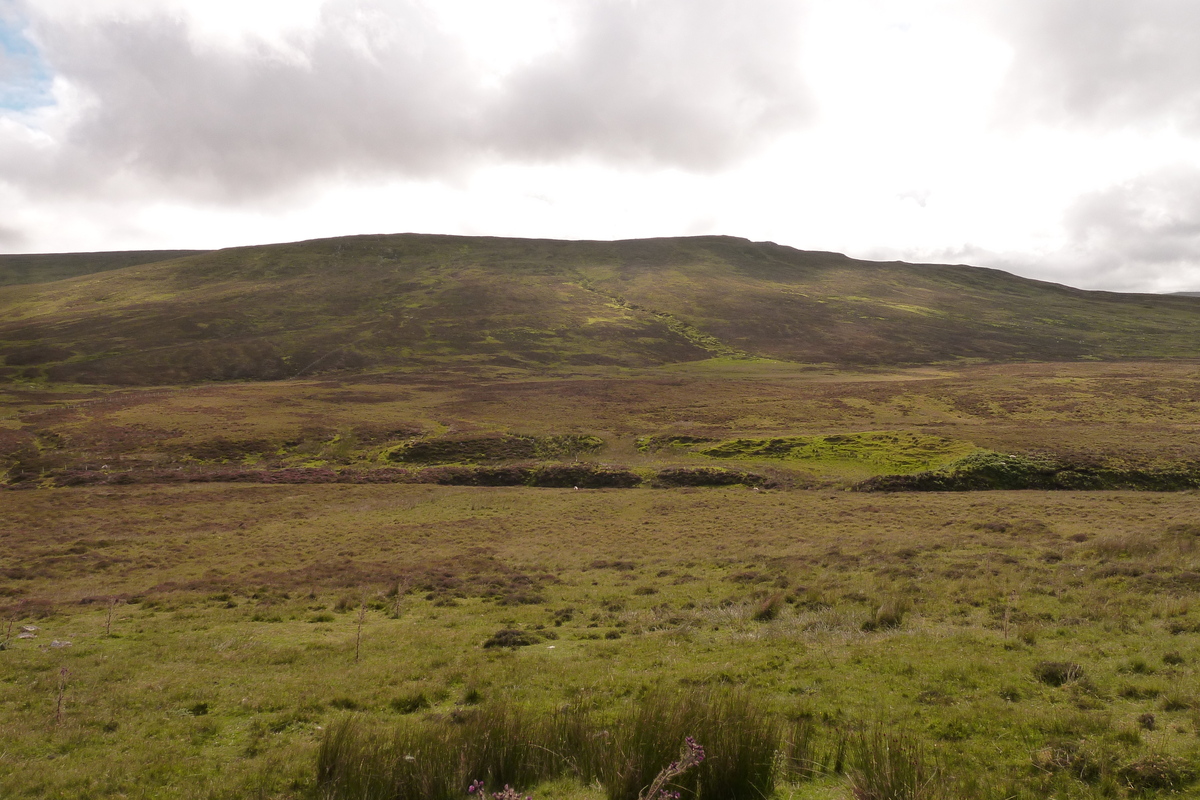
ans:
(1057, 139)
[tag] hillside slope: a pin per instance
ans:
(410, 300)
(48, 267)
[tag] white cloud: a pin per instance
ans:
(1038, 136)
(380, 88)
(1102, 63)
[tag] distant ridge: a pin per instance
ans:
(1186, 294)
(47, 267)
(417, 301)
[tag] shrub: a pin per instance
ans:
(1178, 702)
(706, 476)
(889, 615)
(768, 609)
(410, 703)
(1057, 673)
(1082, 760)
(509, 637)
(346, 603)
(1157, 771)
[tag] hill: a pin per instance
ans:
(48, 267)
(420, 301)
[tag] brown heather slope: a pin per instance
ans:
(421, 301)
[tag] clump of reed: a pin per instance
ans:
(745, 750)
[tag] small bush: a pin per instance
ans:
(888, 616)
(768, 609)
(509, 637)
(1178, 702)
(347, 602)
(1157, 771)
(1057, 673)
(1134, 691)
(1136, 665)
(410, 703)
(1081, 760)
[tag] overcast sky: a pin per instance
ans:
(1058, 139)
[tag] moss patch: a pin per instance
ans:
(991, 470)
(891, 451)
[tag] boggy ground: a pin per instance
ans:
(1042, 644)
(1144, 414)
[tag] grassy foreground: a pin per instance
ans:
(202, 641)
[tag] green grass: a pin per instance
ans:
(244, 600)
(893, 452)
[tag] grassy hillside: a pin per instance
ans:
(282, 311)
(47, 267)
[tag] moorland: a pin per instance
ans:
(381, 516)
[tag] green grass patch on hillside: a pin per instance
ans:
(884, 451)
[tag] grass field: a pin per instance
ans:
(213, 628)
(234, 642)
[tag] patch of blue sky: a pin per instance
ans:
(25, 77)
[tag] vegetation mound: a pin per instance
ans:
(899, 451)
(991, 470)
(495, 447)
(708, 476)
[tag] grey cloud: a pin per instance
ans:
(691, 83)
(11, 239)
(1142, 235)
(1102, 62)
(377, 89)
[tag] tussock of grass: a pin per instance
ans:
(892, 765)
(511, 746)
